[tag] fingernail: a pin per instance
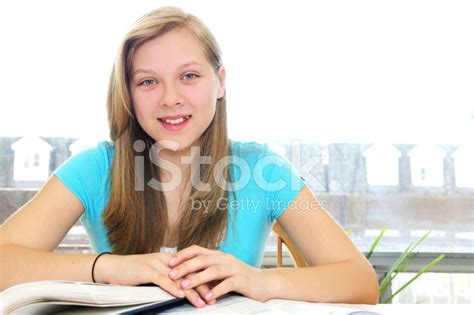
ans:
(185, 283)
(181, 293)
(200, 301)
(172, 261)
(209, 296)
(173, 273)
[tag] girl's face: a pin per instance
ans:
(171, 79)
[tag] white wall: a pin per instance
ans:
(327, 71)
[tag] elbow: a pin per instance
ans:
(9, 261)
(372, 296)
(365, 286)
(368, 294)
(362, 285)
(3, 285)
(371, 288)
(3, 266)
(376, 293)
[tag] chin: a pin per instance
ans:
(175, 145)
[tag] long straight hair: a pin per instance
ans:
(137, 220)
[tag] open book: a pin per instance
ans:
(71, 297)
(84, 294)
(88, 297)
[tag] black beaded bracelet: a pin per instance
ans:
(93, 264)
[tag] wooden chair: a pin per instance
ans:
(283, 238)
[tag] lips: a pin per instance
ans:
(174, 117)
(175, 124)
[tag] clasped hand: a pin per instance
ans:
(199, 274)
(214, 273)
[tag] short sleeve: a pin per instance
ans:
(84, 174)
(281, 181)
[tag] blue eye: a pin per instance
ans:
(147, 82)
(191, 74)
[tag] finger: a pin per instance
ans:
(206, 276)
(162, 257)
(190, 266)
(187, 253)
(194, 298)
(168, 285)
(160, 266)
(198, 263)
(203, 290)
(222, 288)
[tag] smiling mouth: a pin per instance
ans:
(175, 121)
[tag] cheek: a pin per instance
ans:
(135, 101)
(141, 103)
(204, 100)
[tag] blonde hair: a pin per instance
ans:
(137, 221)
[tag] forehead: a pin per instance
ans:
(169, 50)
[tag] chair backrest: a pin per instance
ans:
(283, 238)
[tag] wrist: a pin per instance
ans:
(271, 283)
(102, 268)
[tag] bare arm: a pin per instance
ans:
(338, 272)
(28, 238)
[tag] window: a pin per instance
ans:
(445, 288)
(36, 160)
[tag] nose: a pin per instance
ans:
(171, 96)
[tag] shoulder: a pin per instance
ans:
(101, 152)
(247, 146)
(266, 153)
(103, 149)
(250, 149)
(98, 157)
(86, 174)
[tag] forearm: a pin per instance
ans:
(20, 264)
(342, 282)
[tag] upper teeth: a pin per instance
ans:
(175, 121)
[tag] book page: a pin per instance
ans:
(79, 293)
(302, 307)
(58, 308)
(235, 304)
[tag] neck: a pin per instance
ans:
(174, 158)
(182, 161)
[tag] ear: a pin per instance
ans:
(221, 76)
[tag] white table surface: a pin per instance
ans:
(278, 306)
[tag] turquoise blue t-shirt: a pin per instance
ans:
(265, 183)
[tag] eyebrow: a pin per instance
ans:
(184, 65)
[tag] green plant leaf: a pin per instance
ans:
(396, 268)
(401, 263)
(389, 277)
(412, 255)
(422, 239)
(423, 270)
(377, 240)
(407, 261)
